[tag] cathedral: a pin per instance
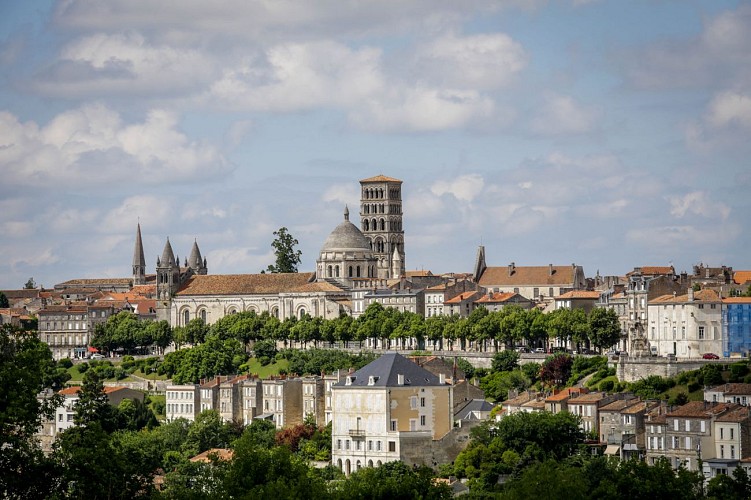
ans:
(352, 261)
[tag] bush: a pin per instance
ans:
(128, 358)
(82, 367)
(693, 386)
(607, 385)
(65, 363)
(264, 360)
(738, 371)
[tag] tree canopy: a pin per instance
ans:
(287, 258)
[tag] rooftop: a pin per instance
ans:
(385, 372)
(236, 284)
(528, 275)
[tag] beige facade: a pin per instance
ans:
(282, 401)
(386, 411)
(182, 401)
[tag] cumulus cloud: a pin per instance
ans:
(342, 194)
(728, 109)
(560, 115)
(482, 62)
(464, 188)
(697, 203)
(120, 218)
(103, 64)
(92, 146)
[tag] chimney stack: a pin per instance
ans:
(511, 269)
(550, 269)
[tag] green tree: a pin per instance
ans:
(604, 328)
(393, 480)
(208, 431)
(505, 361)
(287, 258)
(30, 284)
(727, 487)
(26, 369)
(3, 301)
(93, 406)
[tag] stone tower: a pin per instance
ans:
(139, 262)
(381, 222)
(167, 281)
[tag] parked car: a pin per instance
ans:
(540, 350)
(710, 355)
(521, 349)
(96, 355)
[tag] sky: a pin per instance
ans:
(609, 134)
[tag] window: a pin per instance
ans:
(392, 446)
(378, 446)
(346, 444)
(422, 420)
(701, 333)
(413, 402)
(731, 433)
(422, 402)
(732, 451)
(688, 442)
(536, 292)
(688, 425)
(703, 426)
(60, 417)
(722, 451)
(722, 433)
(393, 426)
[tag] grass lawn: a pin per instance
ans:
(697, 395)
(264, 371)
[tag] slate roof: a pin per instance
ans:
(527, 275)
(466, 412)
(386, 371)
(244, 284)
(381, 178)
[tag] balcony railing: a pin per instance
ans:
(357, 433)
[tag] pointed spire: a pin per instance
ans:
(139, 261)
(168, 256)
(195, 261)
(346, 212)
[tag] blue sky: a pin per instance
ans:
(609, 134)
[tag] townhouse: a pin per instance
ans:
(729, 393)
(732, 443)
(587, 407)
(182, 401)
(389, 410)
(282, 401)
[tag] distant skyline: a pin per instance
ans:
(608, 134)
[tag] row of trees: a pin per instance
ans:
(480, 331)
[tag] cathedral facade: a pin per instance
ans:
(351, 260)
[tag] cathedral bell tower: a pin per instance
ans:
(167, 281)
(139, 262)
(381, 223)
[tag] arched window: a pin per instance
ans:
(374, 224)
(336, 271)
(358, 271)
(349, 273)
(367, 224)
(301, 313)
(275, 312)
(202, 315)
(232, 310)
(383, 225)
(186, 317)
(329, 273)
(370, 463)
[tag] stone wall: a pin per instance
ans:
(631, 369)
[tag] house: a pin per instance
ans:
(495, 301)
(463, 304)
(516, 400)
(533, 282)
(282, 400)
(252, 399)
(732, 440)
(328, 381)
(587, 407)
(231, 399)
(183, 401)
(729, 393)
(689, 432)
(437, 295)
(476, 410)
(686, 326)
(634, 429)
(65, 329)
(577, 299)
(313, 394)
(558, 401)
(389, 410)
(613, 424)
(656, 432)
(65, 413)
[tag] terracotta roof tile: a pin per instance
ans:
(653, 270)
(592, 397)
(580, 294)
(735, 389)
(641, 406)
(619, 405)
(740, 414)
(520, 399)
(528, 275)
(461, 297)
(381, 178)
(223, 454)
(418, 273)
(496, 298)
(700, 409)
(567, 393)
(741, 277)
(97, 281)
(705, 295)
(736, 300)
(244, 284)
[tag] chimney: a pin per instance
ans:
(441, 378)
(511, 268)
(550, 269)
(400, 379)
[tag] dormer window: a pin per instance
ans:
(372, 380)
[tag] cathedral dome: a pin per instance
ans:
(346, 236)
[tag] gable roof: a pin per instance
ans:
(497, 297)
(734, 389)
(652, 270)
(580, 294)
(569, 392)
(528, 275)
(467, 412)
(741, 277)
(462, 297)
(700, 409)
(244, 284)
(705, 295)
(386, 370)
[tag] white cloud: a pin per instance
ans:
(463, 188)
(481, 62)
(697, 203)
(730, 108)
(238, 258)
(344, 194)
(91, 146)
(104, 64)
(560, 115)
(36, 258)
(120, 219)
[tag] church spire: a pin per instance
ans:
(139, 261)
(195, 261)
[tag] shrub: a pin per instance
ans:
(607, 385)
(82, 367)
(693, 386)
(65, 363)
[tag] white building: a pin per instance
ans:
(686, 326)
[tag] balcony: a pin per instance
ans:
(357, 434)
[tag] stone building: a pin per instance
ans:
(732, 443)
(65, 329)
(686, 326)
(389, 410)
(381, 223)
(282, 401)
(183, 401)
